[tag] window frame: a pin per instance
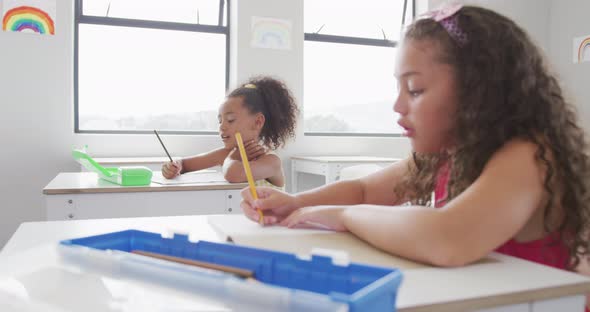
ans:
(357, 41)
(80, 18)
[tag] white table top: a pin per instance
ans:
(345, 159)
(502, 281)
(88, 182)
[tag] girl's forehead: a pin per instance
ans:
(416, 55)
(232, 104)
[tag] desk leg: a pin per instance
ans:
(294, 176)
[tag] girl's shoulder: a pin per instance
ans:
(518, 160)
(520, 148)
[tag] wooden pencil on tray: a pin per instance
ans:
(207, 265)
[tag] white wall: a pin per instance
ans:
(569, 20)
(36, 126)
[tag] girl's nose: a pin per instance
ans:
(399, 106)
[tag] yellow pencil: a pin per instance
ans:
(248, 174)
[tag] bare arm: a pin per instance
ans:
(268, 167)
(376, 188)
(205, 160)
(488, 213)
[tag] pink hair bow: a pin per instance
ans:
(444, 12)
(446, 17)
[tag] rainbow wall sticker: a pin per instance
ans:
(582, 49)
(271, 33)
(29, 16)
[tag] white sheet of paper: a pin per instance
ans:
(196, 177)
(304, 242)
(235, 225)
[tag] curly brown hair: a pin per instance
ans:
(506, 91)
(272, 98)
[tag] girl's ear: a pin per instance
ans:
(259, 121)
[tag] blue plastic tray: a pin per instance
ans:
(361, 287)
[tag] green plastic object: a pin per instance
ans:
(126, 176)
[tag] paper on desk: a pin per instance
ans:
(242, 231)
(196, 177)
(239, 225)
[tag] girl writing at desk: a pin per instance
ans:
(264, 112)
(499, 161)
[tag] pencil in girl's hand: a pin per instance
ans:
(248, 174)
(164, 146)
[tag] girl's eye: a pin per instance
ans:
(415, 93)
(230, 121)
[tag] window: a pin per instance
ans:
(150, 64)
(349, 57)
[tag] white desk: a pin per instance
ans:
(82, 195)
(330, 166)
(506, 284)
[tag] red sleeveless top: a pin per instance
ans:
(548, 250)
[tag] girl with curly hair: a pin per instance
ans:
(264, 112)
(498, 163)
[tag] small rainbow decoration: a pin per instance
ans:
(28, 18)
(584, 45)
(271, 33)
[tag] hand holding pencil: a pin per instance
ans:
(275, 204)
(171, 170)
